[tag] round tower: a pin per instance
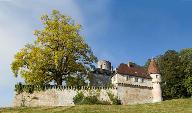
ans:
(103, 64)
(156, 80)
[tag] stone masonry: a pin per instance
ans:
(60, 97)
(131, 84)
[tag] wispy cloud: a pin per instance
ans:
(18, 19)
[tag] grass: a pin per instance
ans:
(170, 106)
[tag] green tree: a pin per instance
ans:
(186, 59)
(77, 80)
(172, 75)
(58, 52)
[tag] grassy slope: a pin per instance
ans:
(171, 106)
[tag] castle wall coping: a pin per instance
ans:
(133, 85)
(61, 87)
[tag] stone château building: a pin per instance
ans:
(135, 81)
(131, 83)
(101, 76)
(141, 83)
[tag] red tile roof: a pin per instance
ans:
(153, 69)
(132, 70)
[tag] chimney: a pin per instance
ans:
(130, 64)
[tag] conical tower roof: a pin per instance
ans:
(153, 69)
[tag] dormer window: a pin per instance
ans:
(128, 77)
(142, 80)
(136, 79)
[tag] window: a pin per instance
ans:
(136, 79)
(127, 77)
(156, 76)
(142, 80)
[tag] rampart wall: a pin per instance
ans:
(63, 96)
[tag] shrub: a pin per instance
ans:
(19, 88)
(28, 88)
(39, 87)
(114, 99)
(91, 100)
(80, 99)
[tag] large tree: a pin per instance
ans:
(186, 59)
(171, 69)
(58, 52)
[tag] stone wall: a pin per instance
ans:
(59, 97)
(127, 94)
(134, 94)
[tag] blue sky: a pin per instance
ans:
(117, 30)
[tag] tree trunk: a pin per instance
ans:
(59, 80)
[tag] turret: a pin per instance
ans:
(156, 80)
(103, 64)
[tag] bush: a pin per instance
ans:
(91, 100)
(114, 99)
(19, 88)
(80, 99)
(28, 89)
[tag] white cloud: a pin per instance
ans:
(5, 0)
(18, 19)
(13, 35)
(36, 7)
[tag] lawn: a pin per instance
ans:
(170, 106)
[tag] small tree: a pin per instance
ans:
(58, 52)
